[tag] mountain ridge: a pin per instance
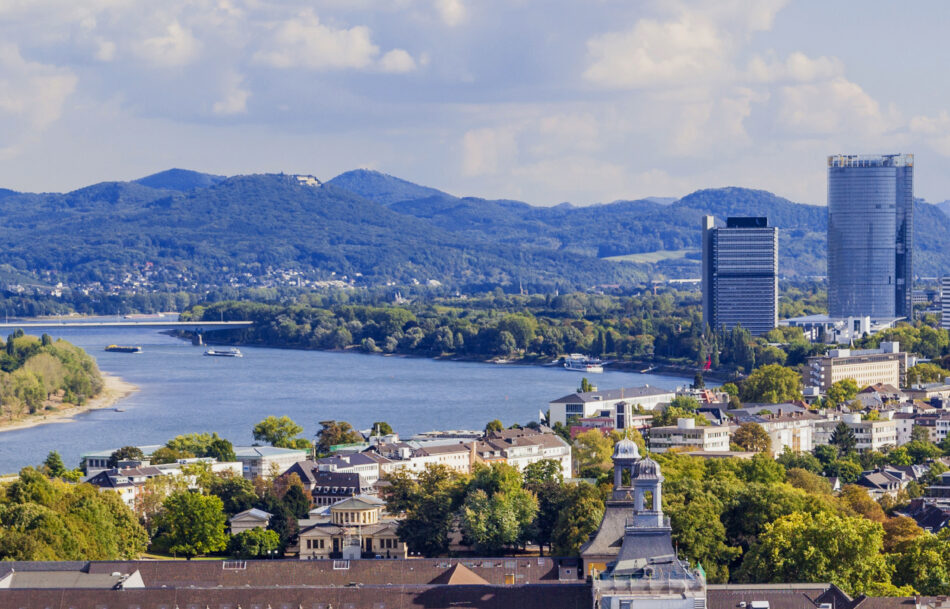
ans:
(396, 231)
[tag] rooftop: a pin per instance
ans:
(614, 394)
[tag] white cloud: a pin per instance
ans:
(934, 130)
(105, 50)
(397, 61)
(796, 67)
(175, 47)
(304, 42)
(488, 151)
(235, 97)
(452, 12)
(836, 106)
(655, 53)
(30, 91)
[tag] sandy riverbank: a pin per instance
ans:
(114, 389)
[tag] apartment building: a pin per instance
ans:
(887, 365)
(522, 447)
(267, 461)
(788, 425)
(870, 435)
(685, 435)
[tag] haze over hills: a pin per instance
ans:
(199, 230)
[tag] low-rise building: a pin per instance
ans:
(352, 463)
(266, 461)
(249, 520)
(522, 447)
(928, 391)
(618, 401)
(687, 436)
(870, 435)
(327, 488)
(127, 482)
(788, 425)
(887, 365)
(350, 529)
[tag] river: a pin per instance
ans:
(181, 391)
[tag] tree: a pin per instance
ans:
(582, 512)
(592, 452)
(382, 428)
(280, 432)
(585, 387)
(126, 453)
(790, 459)
(698, 382)
(856, 499)
(841, 392)
(236, 493)
(808, 481)
(925, 564)
(54, 464)
(843, 438)
(427, 506)
(168, 455)
(771, 384)
(926, 373)
(333, 433)
(899, 456)
(821, 547)
(256, 543)
(493, 425)
(899, 534)
(751, 436)
(220, 449)
(193, 524)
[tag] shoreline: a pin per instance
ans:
(114, 389)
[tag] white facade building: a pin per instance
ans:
(870, 435)
(686, 435)
(585, 404)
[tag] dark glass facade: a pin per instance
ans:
(740, 274)
(870, 235)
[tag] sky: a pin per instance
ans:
(545, 101)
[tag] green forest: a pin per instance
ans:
(38, 374)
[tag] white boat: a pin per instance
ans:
(582, 363)
(231, 352)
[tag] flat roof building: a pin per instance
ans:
(870, 235)
(887, 365)
(740, 274)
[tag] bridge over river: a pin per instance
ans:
(196, 328)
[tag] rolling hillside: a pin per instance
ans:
(202, 229)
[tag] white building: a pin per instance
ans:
(522, 447)
(267, 460)
(788, 425)
(886, 365)
(870, 435)
(686, 435)
(584, 404)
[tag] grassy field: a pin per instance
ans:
(651, 257)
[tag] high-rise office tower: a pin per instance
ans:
(870, 235)
(740, 274)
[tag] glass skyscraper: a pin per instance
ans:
(740, 274)
(870, 235)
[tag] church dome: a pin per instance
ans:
(626, 449)
(646, 468)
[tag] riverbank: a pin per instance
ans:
(114, 389)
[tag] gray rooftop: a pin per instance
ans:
(623, 393)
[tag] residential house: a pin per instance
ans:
(522, 447)
(126, 482)
(326, 487)
(686, 436)
(352, 463)
(249, 520)
(350, 529)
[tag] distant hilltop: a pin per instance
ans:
(375, 228)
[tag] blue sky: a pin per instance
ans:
(545, 101)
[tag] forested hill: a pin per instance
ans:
(196, 230)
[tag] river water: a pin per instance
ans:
(181, 391)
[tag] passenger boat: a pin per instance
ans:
(231, 352)
(124, 349)
(582, 363)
